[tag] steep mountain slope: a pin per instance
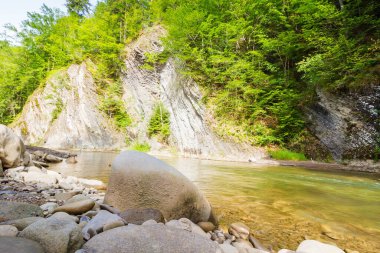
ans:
(64, 114)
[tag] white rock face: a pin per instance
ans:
(64, 114)
(312, 246)
(190, 133)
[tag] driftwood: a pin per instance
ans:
(61, 154)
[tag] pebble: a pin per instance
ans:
(78, 207)
(206, 226)
(8, 230)
(239, 230)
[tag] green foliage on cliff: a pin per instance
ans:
(159, 124)
(284, 154)
(259, 62)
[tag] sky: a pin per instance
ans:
(15, 11)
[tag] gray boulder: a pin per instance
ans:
(77, 207)
(138, 216)
(19, 245)
(139, 180)
(12, 148)
(17, 210)
(8, 230)
(156, 238)
(56, 234)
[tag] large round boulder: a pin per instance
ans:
(12, 148)
(139, 180)
(156, 238)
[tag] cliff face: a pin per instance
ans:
(348, 124)
(64, 114)
(180, 95)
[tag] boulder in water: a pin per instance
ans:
(139, 180)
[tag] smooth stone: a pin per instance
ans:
(245, 242)
(49, 207)
(78, 207)
(227, 248)
(92, 183)
(156, 238)
(139, 180)
(21, 224)
(8, 230)
(18, 210)
(19, 245)
(312, 246)
(65, 186)
(138, 216)
(38, 177)
(239, 230)
(76, 198)
(63, 196)
(186, 224)
(286, 251)
(149, 222)
(206, 226)
(112, 225)
(65, 216)
(56, 234)
(99, 221)
(90, 214)
(34, 169)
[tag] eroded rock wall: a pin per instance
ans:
(64, 114)
(347, 124)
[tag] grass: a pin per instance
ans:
(142, 147)
(284, 154)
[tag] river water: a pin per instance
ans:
(281, 205)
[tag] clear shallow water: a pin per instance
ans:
(282, 205)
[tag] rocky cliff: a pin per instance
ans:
(64, 114)
(348, 124)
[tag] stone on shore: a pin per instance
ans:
(206, 226)
(19, 245)
(138, 216)
(286, 251)
(8, 230)
(56, 234)
(63, 196)
(18, 210)
(186, 224)
(38, 177)
(156, 238)
(21, 224)
(239, 230)
(77, 207)
(139, 180)
(312, 246)
(96, 224)
(12, 148)
(228, 248)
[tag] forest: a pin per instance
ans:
(259, 63)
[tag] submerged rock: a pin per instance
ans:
(239, 230)
(139, 180)
(156, 238)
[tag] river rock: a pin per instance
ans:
(186, 224)
(286, 251)
(239, 230)
(77, 198)
(12, 148)
(8, 230)
(206, 226)
(18, 210)
(149, 222)
(38, 177)
(313, 246)
(63, 196)
(113, 224)
(19, 245)
(139, 180)
(21, 224)
(92, 183)
(65, 186)
(257, 244)
(103, 218)
(139, 215)
(53, 159)
(1, 169)
(49, 207)
(77, 207)
(109, 208)
(56, 234)
(156, 238)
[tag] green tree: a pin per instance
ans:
(78, 7)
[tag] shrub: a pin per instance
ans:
(159, 124)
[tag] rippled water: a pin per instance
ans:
(282, 205)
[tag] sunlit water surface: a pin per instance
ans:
(281, 205)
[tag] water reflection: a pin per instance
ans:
(282, 205)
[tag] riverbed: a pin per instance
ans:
(281, 205)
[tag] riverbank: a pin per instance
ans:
(54, 194)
